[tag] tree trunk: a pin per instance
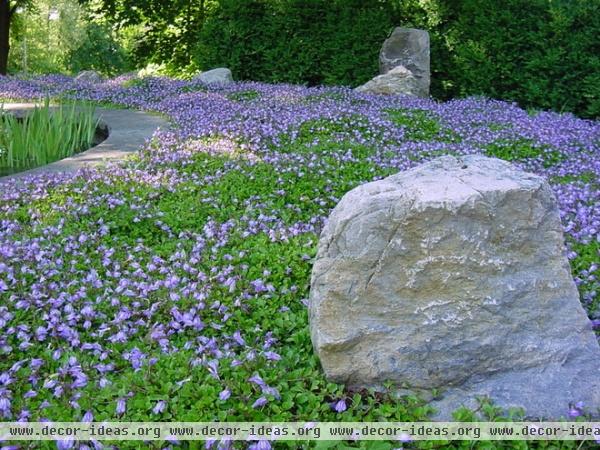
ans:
(5, 13)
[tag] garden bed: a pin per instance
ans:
(173, 286)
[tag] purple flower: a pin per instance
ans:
(65, 444)
(5, 407)
(339, 406)
(172, 440)
(238, 338)
(121, 407)
(5, 378)
(271, 391)
(159, 407)
(36, 363)
(213, 368)
(256, 379)
(272, 356)
(258, 285)
(262, 401)
(225, 394)
(404, 437)
(260, 445)
(88, 417)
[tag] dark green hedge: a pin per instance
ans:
(296, 41)
(540, 53)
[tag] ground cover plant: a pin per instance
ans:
(44, 135)
(174, 286)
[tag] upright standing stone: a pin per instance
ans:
(408, 47)
(452, 276)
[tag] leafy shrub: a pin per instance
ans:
(99, 51)
(297, 41)
(541, 54)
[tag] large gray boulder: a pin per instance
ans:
(88, 76)
(452, 276)
(408, 47)
(398, 81)
(215, 77)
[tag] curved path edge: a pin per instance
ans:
(128, 131)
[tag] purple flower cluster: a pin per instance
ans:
(102, 292)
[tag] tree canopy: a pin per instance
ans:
(168, 29)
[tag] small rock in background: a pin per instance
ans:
(398, 81)
(452, 276)
(408, 47)
(89, 76)
(215, 77)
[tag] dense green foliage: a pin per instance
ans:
(45, 135)
(99, 51)
(44, 34)
(162, 32)
(297, 41)
(540, 53)
(59, 36)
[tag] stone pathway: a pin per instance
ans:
(128, 130)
